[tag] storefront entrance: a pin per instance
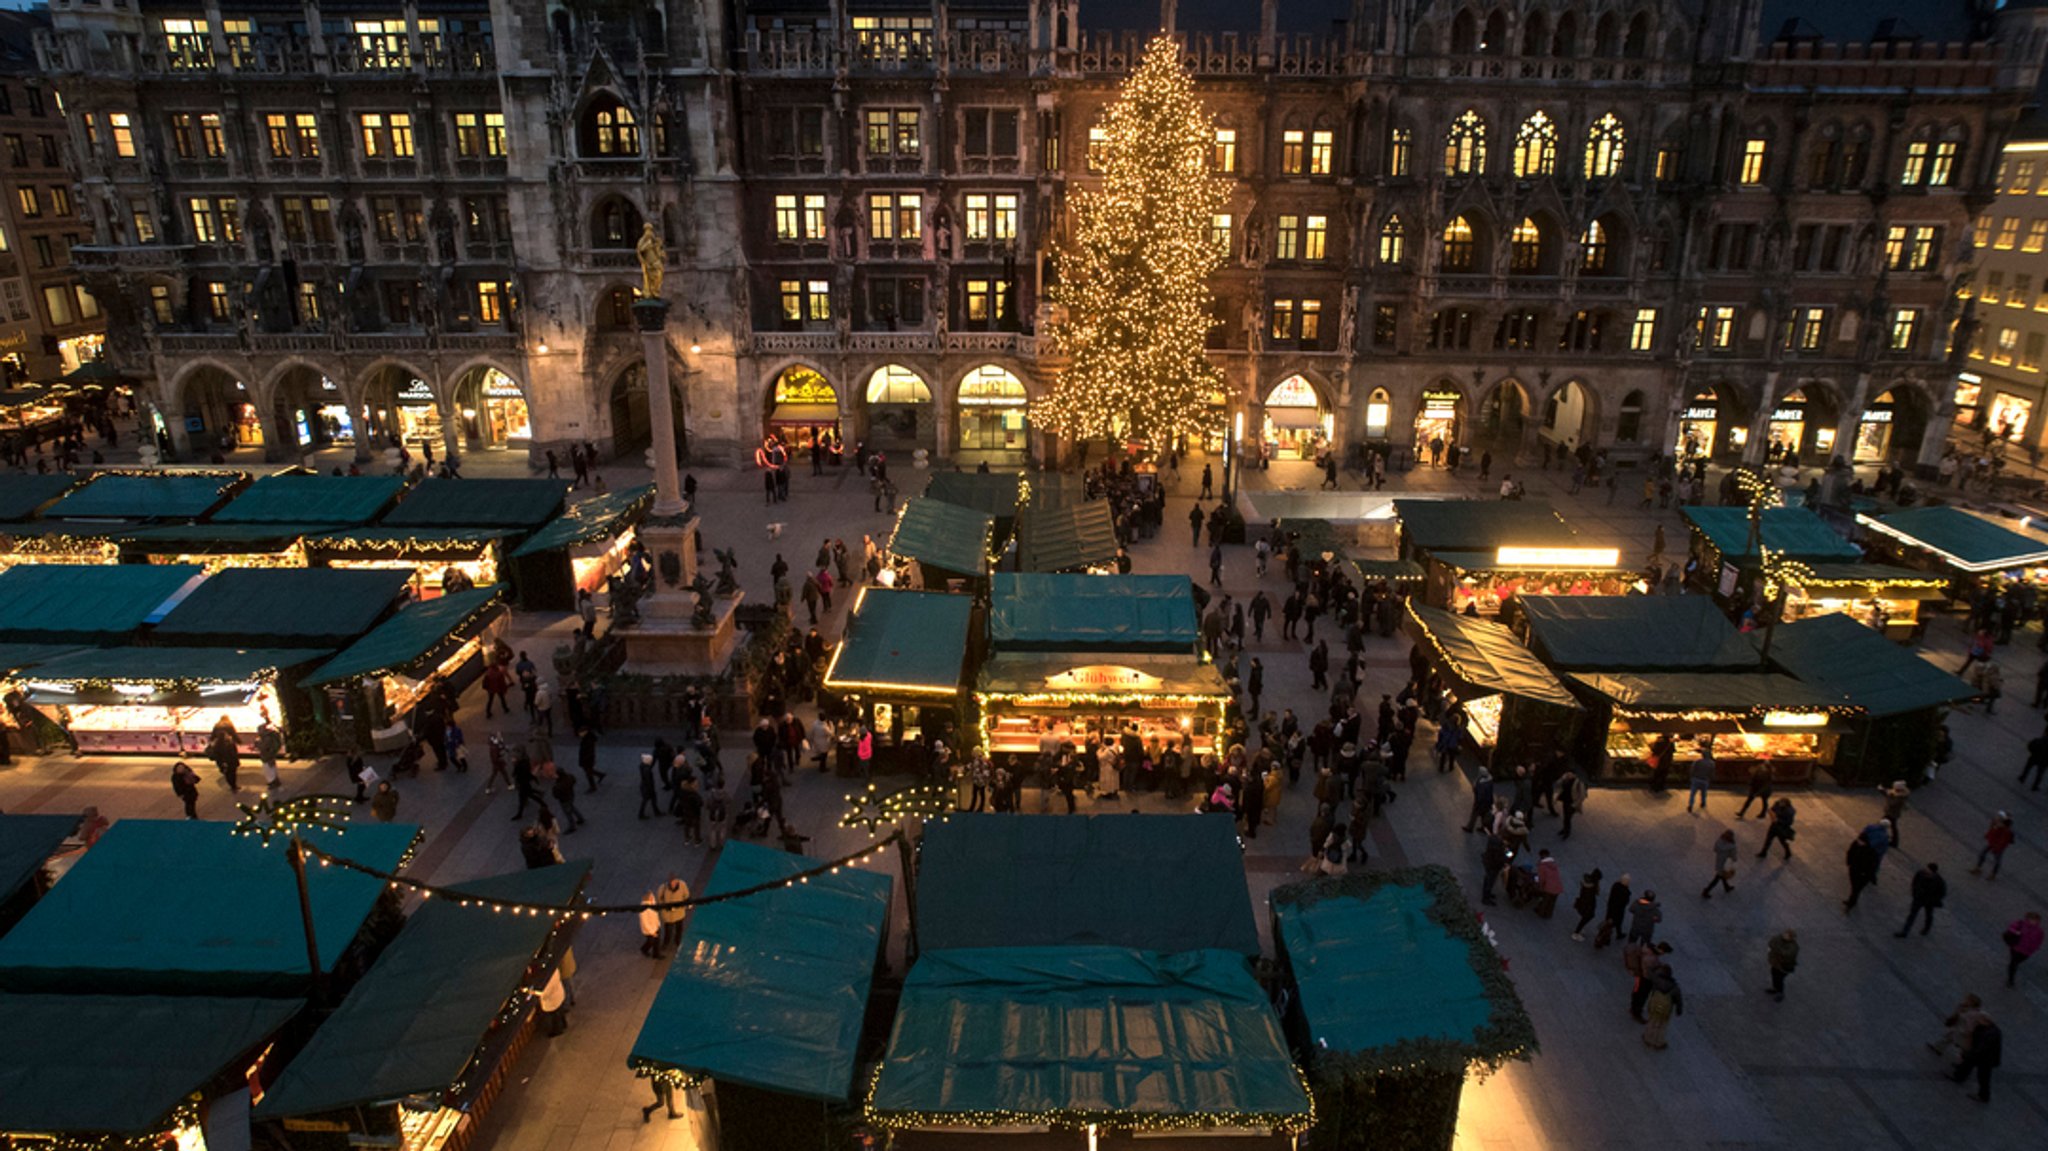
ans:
(1874, 432)
(900, 410)
(494, 410)
(803, 410)
(992, 413)
(1438, 421)
(1297, 424)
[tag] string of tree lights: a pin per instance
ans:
(1134, 277)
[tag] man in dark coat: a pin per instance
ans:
(1929, 892)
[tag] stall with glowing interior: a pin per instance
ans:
(901, 670)
(436, 560)
(169, 700)
(1970, 548)
(1512, 707)
(1075, 658)
(373, 685)
(1903, 698)
(1479, 554)
(941, 546)
(1822, 572)
(579, 550)
(1744, 717)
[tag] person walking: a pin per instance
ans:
(1319, 666)
(185, 785)
(563, 787)
(586, 759)
(1643, 917)
(269, 745)
(650, 933)
(1895, 798)
(690, 812)
(1617, 908)
(384, 804)
(674, 891)
(1783, 955)
(1482, 800)
(1549, 883)
(1781, 830)
(1208, 483)
(1862, 860)
(1760, 784)
(1997, 838)
(1255, 683)
(1702, 778)
(1929, 891)
(2022, 939)
(1571, 792)
(1586, 903)
(1492, 861)
(1216, 564)
(494, 750)
(649, 795)
(1982, 1055)
(1724, 866)
(1665, 1001)
(522, 783)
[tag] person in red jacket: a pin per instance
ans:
(1997, 838)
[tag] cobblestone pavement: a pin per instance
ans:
(1840, 1063)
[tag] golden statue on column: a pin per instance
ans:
(652, 259)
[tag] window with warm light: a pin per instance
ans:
(1220, 233)
(1905, 329)
(1536, 147)
(1525, 252)
(490, 302)
(1400, 151)
(1225, 156)
(1314, 237)
(1293, 148)
(1287, 238)
(1393, 241)
(122, 129)
(1754, 153)
(1593, 249)
(1460, 246)
(1717, 328)
(1642, 334)
(1321, 153)
(1605, 142)
(1465, 145)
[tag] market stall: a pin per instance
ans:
(434, 559)
(25, 496)
(1078, 657)
(580, 549)
(767, 998)
(1967, 546)
(1405, 577)
(1482, 553)
(1885, 598)
(901, 669)
(31, 414)
(997, 495)
(308, 498)
(1742, 716)
(283, 607)
(27, 845)
(1903, 698)
(941, 546)
(374, 684)
(1511, 704)
(1632, 633)
(1726, 563)
(518, 507)
(149, 496)
(421, 1047)
(167, 700)
(55, 604)
(1398, 997)
(192, 907)
(1067, 537)
(74, 544)
(217, 546)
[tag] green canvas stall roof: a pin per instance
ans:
(1067, 537)
(184, 907)
(1881, 581)
(284, 607)
(302, 498)
(1039, 611)
(411, 636)
(946, 536)
(413, 1023)
(1482, 525)
(22, 496)
(991, 881)
(1965, 541)
(215, 537)
(1796, 532)
(1679, 691)
(597, 518)
(1634, 632)
(16, 657)
(85, 603)
(1837, 654)
(1488, 657)
(1393, 571)
(479, 504)
(25, 842)
(770, 991)
(997, 495)
(1055, 490)
(907, 640)
(121, 1064)
(164, 665)
(1091, 1034)
(1378, 971)
(150, 496)
(1031, 672)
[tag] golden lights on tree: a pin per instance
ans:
(1135, 269)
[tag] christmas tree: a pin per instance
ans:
(1135, 270)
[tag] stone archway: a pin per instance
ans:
(402, 407)
(493, 406)
(901, 412)
(309, 410)
(214, 412)
(632, 429)
(1571, 417)
(1503, 421)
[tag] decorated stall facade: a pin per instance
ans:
(435, 560)
(580, 549)
(68, 543)
(900, 669)
(1075, 658)
(1967, 547)
(372, 685)
(941, 546)
(1510, 703)
(1726, 563)
(1743, 717)
(218, 546)
(1902, 697)
(1479, 554)
(170, 700)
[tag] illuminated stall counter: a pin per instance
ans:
(1078, 697)
(71, 544)
(431, 557)
(1482, 553)
(217, 546)
(1882, 597)
(580, 549)
(1727, 564)
(1513, 705)
(420, 1049)
(438, 643)
(901, 668)
(1744, 716)
(166, 700)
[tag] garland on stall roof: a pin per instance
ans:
(1073, 1119)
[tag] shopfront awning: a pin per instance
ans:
(1486, 656)
(23, 496)
(805, 415)
(444, 503)
(1107, 675)
(1070, 537)
(1034, 611)
(418, 635)
(415, 1021)
(84, 603)
(1965, 541)
(1795, 533)
(214, 538)
(191, 908)
(422, 545)
(120, 1065)
(1872, 581)
(1079, 1035)
(992, 881)
(945, 536)
(598, 518)
(1482, 525)
(148, 496)
(301, 498)
(283, 607)
(1684, 691)
(1387, 962)
(770, 991)
(1294, 418)
(25, 842)
(164, 666)
(1633, 632)
(903, 641)
(1834, 653)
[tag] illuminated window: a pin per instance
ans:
(1283, 319)
(616, 132)
(1905, 330)
(1915, 167)
(490, 302)
(1219, 233)
(1465, 146)
(987, 301)
(2008, 343)
(1393, 241)
(2037, 234)
(895, 216)
(1287, 238)
(1605, 142)
(1536, 147)
(1667, 165)
(123, 131)
(1941, 170)
(1912, 248)
(1315, 234)
(1225, 157)
(205, 224)
(1754, 152)
(1525, 253)
(1311, 321)
(31, 206)
(160, 304)
(1293, 145)
(217, 305)
(479, 134)
(786, 219)
(894, 132)
(2008, 233)
(1717, 328)
(1460, 247)
(1642, 334)
(1400, 151)
(1098, 144)
(1321, 145)
(1593, 249)
(211, 139)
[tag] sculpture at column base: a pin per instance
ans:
(676, 634)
